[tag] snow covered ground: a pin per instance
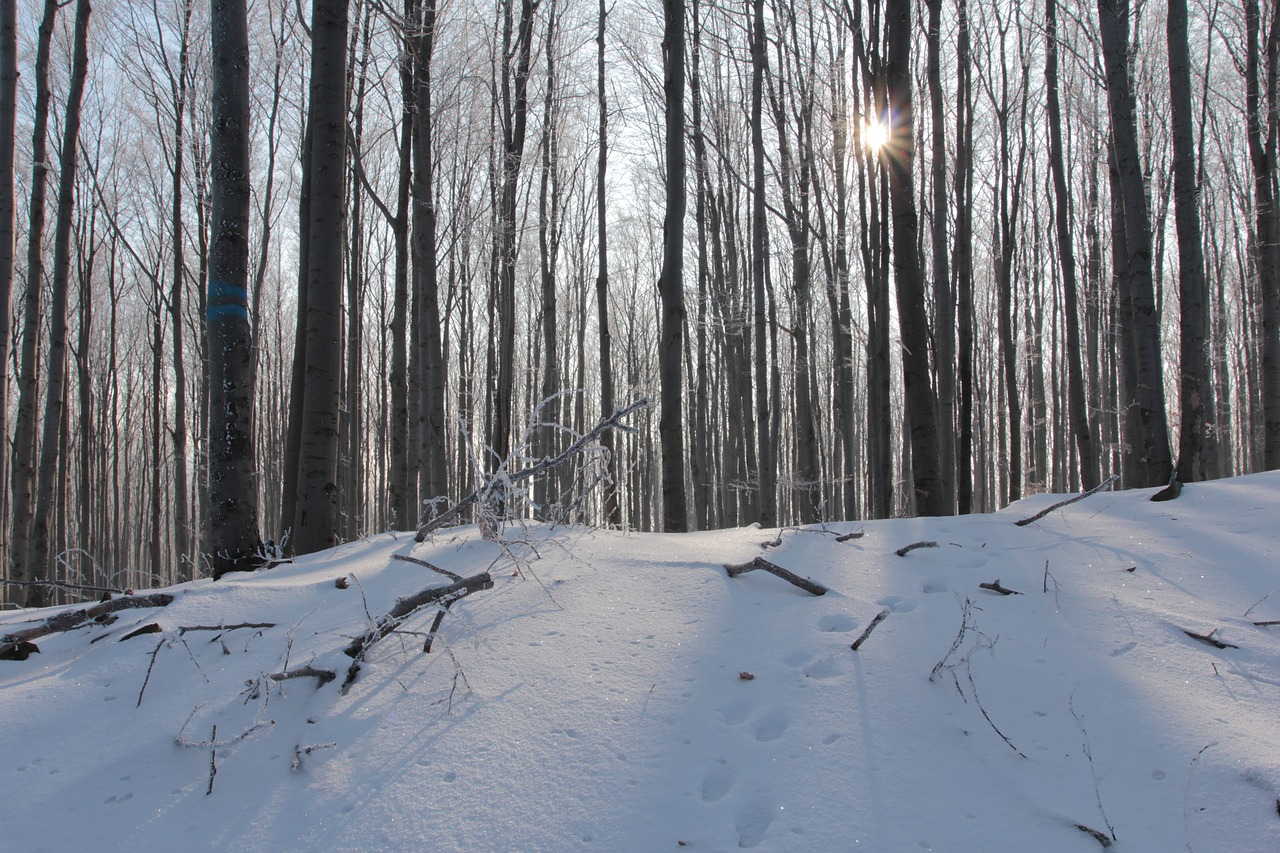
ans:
(596, 699)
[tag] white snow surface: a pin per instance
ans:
(595, 700)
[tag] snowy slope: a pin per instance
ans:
(594, 700)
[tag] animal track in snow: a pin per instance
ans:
(1124, 650)
(772, 725)
(736, 712)
(823, 668)
(753, 824)
(837, 622)
(897, 603)
(718, 781)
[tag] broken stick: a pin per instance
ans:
(996, 587)
(1209, 638)
(774, 569)
(907, 549)
(880, 617)
(19, 642)
(1060, 504)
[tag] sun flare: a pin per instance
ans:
(876, 134)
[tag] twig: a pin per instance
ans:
(299, 750)
(1088, 754)
(857, 534)
(323, 676)
(774, 569)
(1210, 639)
(1186, 786)
(907, 549)
(614, 421)
(185, 628)
(978, 701)
(862, 638)
(154, 652)
(435, 627)
(1267, 623)
(1259, 601)
(1060, 504)
(406, 558)
(964, 628)
(996, 587)
(213, 759)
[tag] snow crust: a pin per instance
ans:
(595, 700)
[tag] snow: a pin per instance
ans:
(593, 699)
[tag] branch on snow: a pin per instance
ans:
(18, 645)
(1060, 504)
(774, 569)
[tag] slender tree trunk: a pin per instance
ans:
(913, 324)
(8, 111)
(233, 492)
(432, 463)
(675, 518)
(1260, 95)
(612, 507)
(24, 434)
(963, 182)
(1195, 435)
(767, 474)
(316, 522)
(56, 383)
(943, 297)
(1078, 411)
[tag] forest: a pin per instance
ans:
(275, 278)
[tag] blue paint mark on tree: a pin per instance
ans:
(227, 301)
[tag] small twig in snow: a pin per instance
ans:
(1259, 601)
(1186, 786)
(974, 688)
(862, 638)
(1210, 639)
(1060, 504)
(1088, 754)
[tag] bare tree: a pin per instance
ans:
(8, 108)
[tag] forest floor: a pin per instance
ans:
(620, 692)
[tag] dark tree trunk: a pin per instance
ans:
(1196, 433)
(233, 511)
(913, 324)
(47, 490)
(675, 517)
(767, 474)
(1153, 438)
(24, 434)
(316, 522)
(943, 298)
(429, 359)
(612, 507)
(8, 110)
(964, 266)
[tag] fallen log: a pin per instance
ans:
(774, 569)
(1060, 504)
(403, 609)
(19, 642)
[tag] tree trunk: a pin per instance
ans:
(1195, 435)
(316, 523)
(1153, 438)
(913, 324)
(233, 512)
(612, 507)
(767, 473)
(943, 298)
(1078, 411)
(40, 559)
(8, 111)
(671, 279)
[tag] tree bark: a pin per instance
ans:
(766, 458)
(913, 324)
(316, 523)
(943, 298)
(612, 506)
(232, 469)
(8, 112)
(671, 278)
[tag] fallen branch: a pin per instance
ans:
(1060, 504)
(185, 628)
(19, 642)
(63, 585)
(152, 628)
(1209, 638)
(614, 421)
(774, 569)
(323, 676)
(862, 638)
(995, 586)
(405, 607)
(1267, 623)
(907, 549)
(417, 561)
(857, 534)
(1100, 837)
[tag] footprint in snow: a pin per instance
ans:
(837, 622)
(897, 603)
(718, 782)
(772, 725)
(736, 712)
(823, 668)
(753, 824)
(1123, 650)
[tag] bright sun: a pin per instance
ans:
(875, 133)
